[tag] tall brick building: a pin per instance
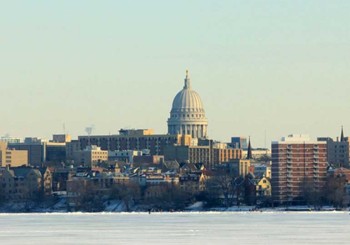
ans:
(297, 163)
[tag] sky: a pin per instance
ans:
(263, 69)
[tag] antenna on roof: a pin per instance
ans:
(89, 130)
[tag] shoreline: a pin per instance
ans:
(118, 206)
(270, 210)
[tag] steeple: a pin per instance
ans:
(249, 151)
(187, 81)
(342, 134)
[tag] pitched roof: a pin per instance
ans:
(43, 170)
(24, 171)
(171, 165)
(190, 166)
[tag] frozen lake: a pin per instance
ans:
(177, 228)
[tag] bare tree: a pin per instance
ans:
(2, 194)
(225, 186)
(335, 191)
(311, 194)
(129, 193)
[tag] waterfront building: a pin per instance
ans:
(263, 188)
(88, 182)
(297, 162)
(337, 151)
(60, 176)
(187, 115)
(12, 157)
(191, 182)
(338, 186)
(21, 183)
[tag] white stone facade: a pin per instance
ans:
(187, 115)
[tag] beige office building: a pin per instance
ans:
(90, 155)
(207, 155)
(13, 158)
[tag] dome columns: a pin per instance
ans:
(196, 130)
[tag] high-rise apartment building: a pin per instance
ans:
(297, 163)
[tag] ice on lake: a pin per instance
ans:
(177, 228)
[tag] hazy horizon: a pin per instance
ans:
(261, 67)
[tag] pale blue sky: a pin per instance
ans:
(276, 66)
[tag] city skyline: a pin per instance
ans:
(261, 68)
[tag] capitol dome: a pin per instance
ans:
(187, 100)
(187, 115)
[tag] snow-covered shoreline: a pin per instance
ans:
(120, 208)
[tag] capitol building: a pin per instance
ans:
(187, 115)
(186, 140)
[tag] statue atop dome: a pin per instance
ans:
(187, 81)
